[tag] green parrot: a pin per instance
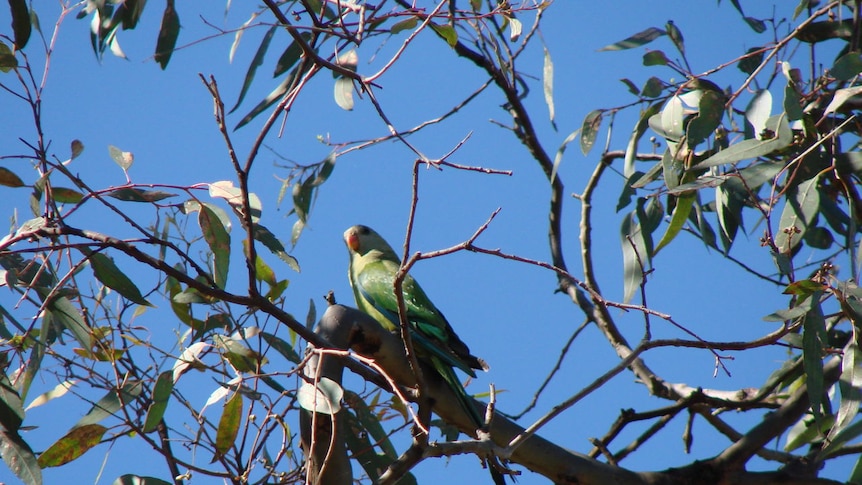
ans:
(373, 266)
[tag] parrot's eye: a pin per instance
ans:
(363, 230)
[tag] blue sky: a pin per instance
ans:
(507, 312)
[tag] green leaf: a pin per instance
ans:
(786, 315)
(228, 425)
(8, 61)
(110, 275)
(11, 407)
(807, 431)
(276, 290)
(840, 97)
(110, 403)
(130, 479)
(131, 11)
(161, 394)
(263, 272)
(851, 432)
(680, 214)
(282, 347)
(515, 28)
(628, 192)
(672, 168)
(850, 385)
(558, 158)
(406, 24)
(709, 114)
(818, 238)
(322, 397)
(636, 40)
(702, 182)
(757, 112)
(792, 103)
(188, 359)
(65, 195)
(633, 249)
(9, 179)
(256, 62)
(20, 22)
(753, 59)
(77, 148)
(847, 66)
(121, 158)
(68, 448)
(296, 231)
(783, 376)
(233, 195)
(218, 240)
(168, 34)
(821, 31)
(756, 25)
(275, 95)
(632, 87)
(343, 92)
(813, 325)
(291, 55)
(856, 475)
(590, 129)
(368, 420)
(548, 85)
(669, 123)
(655, 58)
(447, 32)
(302, 195)
(675, 36)
(652, 88)
(268, 239)
(311, 317)
(747, 149)
(801, 207)
(58, 391)
(362, 449)
(238, 355)
(19, 457)
(62, 312)
(325, 170)
(638, 133)
(190, 206)
(131, 194)
(650, 176)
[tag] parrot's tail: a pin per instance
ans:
(465, 401)
(467, 404)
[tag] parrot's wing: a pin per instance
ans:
(375, 282)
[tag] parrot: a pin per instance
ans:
(372, 270)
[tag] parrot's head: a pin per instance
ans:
(361, 240)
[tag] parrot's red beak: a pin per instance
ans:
(352, 240)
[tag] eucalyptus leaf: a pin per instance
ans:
(71, 446)
(169, 31)
(111, 276)
(590, 129)
(228, 426)
(19, 457)
(323, 397)
(641, 38)
(759, 110)
(802, 204)
(256, 62)
(782, 136)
